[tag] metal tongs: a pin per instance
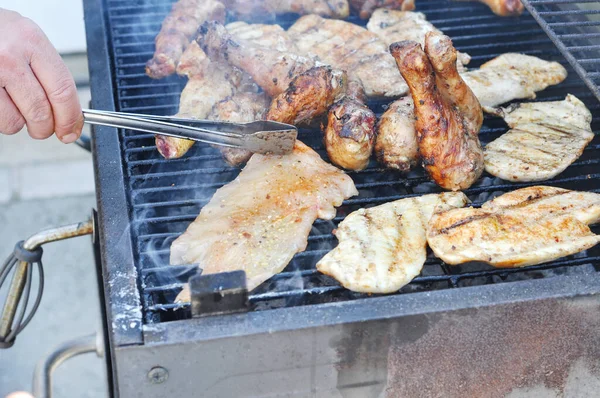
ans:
(266, 137)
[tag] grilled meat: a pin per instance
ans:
(524, 227)
(396, 146)
(197, 99)
(272, 70)
(350, 131)
(393, 26)
(504, 8)
(364, 8)
(309, 95)
(262, 218)
(193, 62)
(352, 48)
(250, 9)
(383, 248)
(545, 138)
(512, 76)
(448, 114)
(242, 107)
(178, 28)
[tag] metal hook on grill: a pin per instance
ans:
(25, 256)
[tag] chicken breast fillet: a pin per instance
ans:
(396, 146)
(544, 139)
(394, 26)
(350, 132)
(257, 222)
(364, 8)
(448, 114)
(177, 30)
(383, 248)
(352, 48)
(524, 227)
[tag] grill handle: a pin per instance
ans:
(42, 377)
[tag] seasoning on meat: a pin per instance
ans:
(364, 8)
(261, 219)
(396, 146)
(524, 227)
(250, 9)
(383, 248)
(544, 139)
(448, 114)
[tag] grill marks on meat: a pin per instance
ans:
(350, 131)
(352, 48)
(396, 146)
(545, 138)
(309, 95)
(249, 9)
(178, 28)
(394, 26)
(524, 227)
(364, 8)
(383, 248)
(512, 76)
(504, 8)
(448, 114)
(261, 219)
(272, 70)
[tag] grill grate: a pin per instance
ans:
(165, 196)
(574, 26)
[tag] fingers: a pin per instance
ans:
(30, 98)
(11, 120)
(60, 90)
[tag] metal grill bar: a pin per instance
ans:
(165, 196)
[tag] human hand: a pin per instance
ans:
(19, 394)
(36, 87)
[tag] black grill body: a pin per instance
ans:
(454, 331)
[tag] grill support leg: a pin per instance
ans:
(42, 377)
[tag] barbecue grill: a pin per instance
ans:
(468, 330)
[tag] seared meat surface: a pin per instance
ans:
(504, 8)
(524, 227)
(350, 130)
(309, 95)
(544, 139)
(271, 69)
(383, 248)
(261, 219)
(250, 9)
(448, 114)
(396, 146)
(364, 8)
(393, 26)
(352, 48)
(177, 30)
(242, 107)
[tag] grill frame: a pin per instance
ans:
(125, 324)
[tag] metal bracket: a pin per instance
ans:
(216, 294)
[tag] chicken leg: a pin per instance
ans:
(504, 8)
(448, 113)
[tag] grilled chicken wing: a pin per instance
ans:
(396, 146)
(364, 8)
(393, 26)
(545, 138)
(383, 248)
(242, 107)
(352, 48)
(512, 76)
(272, 70)
(178, 28)
(261, 219)
(524, 227)
(503, 8)
(350, 130)
(309, 95)
(448, 114)
(250, 9)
